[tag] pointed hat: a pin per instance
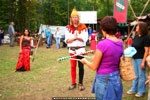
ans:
(74, 13)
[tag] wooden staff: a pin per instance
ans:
(37, 45)
(36, 49)
(64, 58)
(75, 59)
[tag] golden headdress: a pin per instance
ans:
(74, 13)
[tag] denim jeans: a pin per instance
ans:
(48, 41)
(112, 89)
(58, 42)
(138, 85)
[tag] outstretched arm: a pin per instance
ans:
(97, 59)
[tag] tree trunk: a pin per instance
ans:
(50, 13)
(108, 8)
(68, 12)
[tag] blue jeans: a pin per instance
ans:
(48, 40)
(58, 43)
(112, 89)
(138, 85)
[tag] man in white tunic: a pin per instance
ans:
(76, 36)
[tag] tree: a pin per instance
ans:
(31, 13)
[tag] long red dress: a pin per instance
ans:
(93, 41)
(24, 57)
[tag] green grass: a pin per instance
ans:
(47, 78)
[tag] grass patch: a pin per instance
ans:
(47, 78)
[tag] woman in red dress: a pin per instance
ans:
(93, 41)
(24, 57)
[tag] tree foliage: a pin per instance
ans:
(31, 13)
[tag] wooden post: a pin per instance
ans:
(128, 29)
(68, 12)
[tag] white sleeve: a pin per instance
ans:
(66, 35)
(90, 38)
(84, 35)
(95, 38)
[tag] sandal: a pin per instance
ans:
(81, 87)
(73, 86)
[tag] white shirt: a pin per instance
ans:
(77, 43)
(58, 34)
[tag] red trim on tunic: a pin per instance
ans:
(81, 27)
(24, 59)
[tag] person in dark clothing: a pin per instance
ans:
(141, 43)
(2, 36)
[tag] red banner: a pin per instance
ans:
(120, 10)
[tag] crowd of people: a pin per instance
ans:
(107, 83)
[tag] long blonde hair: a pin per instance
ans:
(71, 23)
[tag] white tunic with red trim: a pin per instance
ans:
(81, 32)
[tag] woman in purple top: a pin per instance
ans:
(107, 84)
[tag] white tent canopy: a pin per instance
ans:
(53, 30)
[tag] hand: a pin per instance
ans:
(75, 38)
(142, 65)
(35, 46)
(83, 61)
(146, 82)
(92, 57)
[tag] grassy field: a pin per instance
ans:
(47, 78)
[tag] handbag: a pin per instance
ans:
(126, 69)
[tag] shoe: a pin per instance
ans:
(139, 95)
(81, 87)
(131, 92)
(73, 86)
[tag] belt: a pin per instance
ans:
(75, 48)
